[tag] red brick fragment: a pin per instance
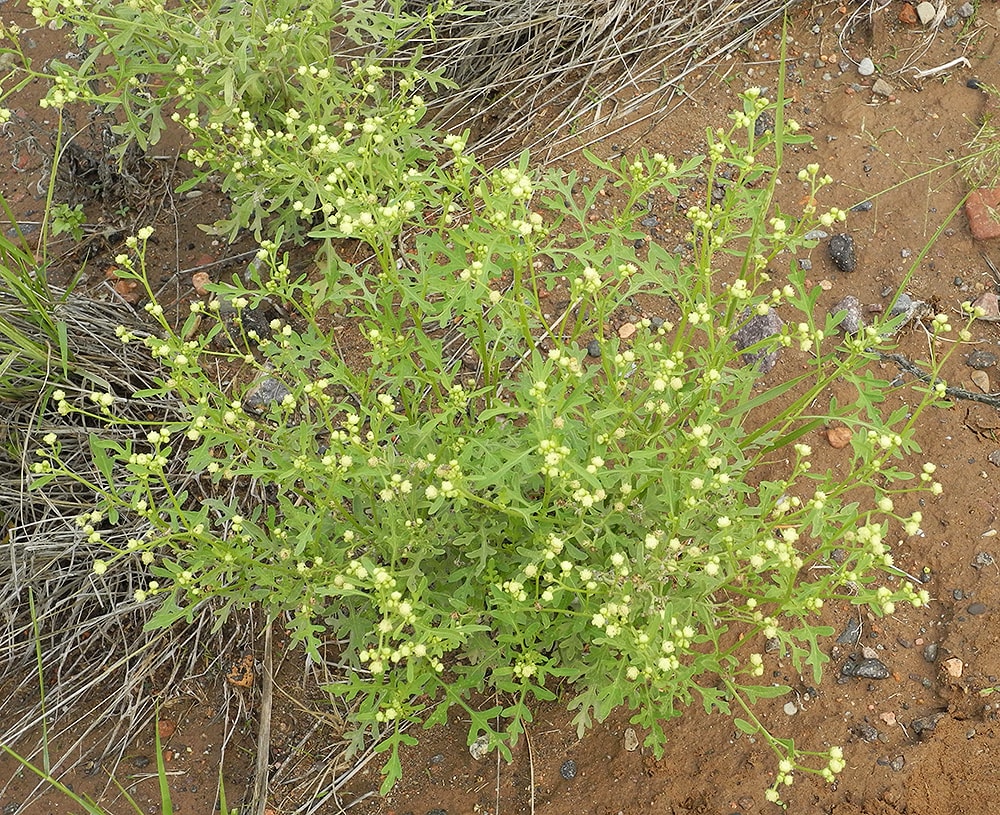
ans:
(983, 211)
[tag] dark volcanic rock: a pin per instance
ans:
(843, 253)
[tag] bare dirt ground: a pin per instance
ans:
(921, 742)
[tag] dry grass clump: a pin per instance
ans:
(72, 643)
(564, 63)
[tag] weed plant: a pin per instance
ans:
(541, 522)
(306, 114)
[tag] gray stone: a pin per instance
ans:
(904, 304)
(851, 632)
(981, 360)
(926, 724)
(869, 668)
(882, 88)
(866, 67)
(754, 331)
(265, 392)
(850, 322)
(966, 10)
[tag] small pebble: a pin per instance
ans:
(842, 253)
(656, 323)
(865, 668)
(851, 321)
(790, 708)
(650, 221)
(864, 206)
(981, 380)
(966, 10)
(805, 264)
(897, 764)
(437, 812)
(952, 20)
(973, 83)
(815, 235)
(851, 632)
(957, 594)
(866, 67)
(755, 330)
(982, 559)
(930, 652)
(903, 304)
(977, 608)
(626, 330)
(954, 667)
(594, 349)
(763, 125)
(480, 748)
(882, 88)
(140, 762)
(981, 360)
(437, 759)
(568, 770)
(905, 253)
(927, 723)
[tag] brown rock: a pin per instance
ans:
(908, 15)
(983, 211)
(626, 330)
(198, 280)
(839, 437)
(953, 666)
(990, 304)
(166, 728)
(982, 380)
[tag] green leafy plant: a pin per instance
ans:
(310, 113)
(502, 495)
(68, 220)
